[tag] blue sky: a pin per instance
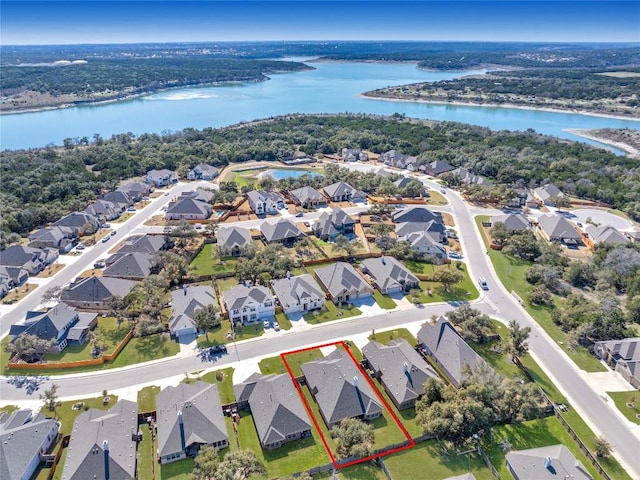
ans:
(65, 22)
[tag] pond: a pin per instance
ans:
(280, 173)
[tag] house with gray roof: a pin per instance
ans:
(552, 462)
(105, 211)
(434, 228)
(438, 167)
(389, 275)
(402, 183)
(120, 198)
(77, 221)
(263, 202)
(133, 266)
(187, 208)
(187, 417)
(151, 244)
(277, 410)
(426, 245)
(633, 236)
(605, 234)
(448, 349)
(231, 240)
(416, 213)
(469, 178)
(354, 155)
(401, 370)
(61, 323)
(280, 231)
(161, 178)
(334, 223)
(203, 194)
(393, 158)
(308, 197)
(248, 305)
(546, 193)
(185, 302)
(60, 238)
(94, 292)
(556, 228)
(343, 283)
(340, 389)
(624, 355)
(33, 260)
(203, 172)
(339, 192)
(103, 444)
(515, 222)
(13, 276)
(23, 439)
(299, 293)
(137, 190)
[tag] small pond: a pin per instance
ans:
(280, 173)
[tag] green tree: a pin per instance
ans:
(30, 347)
(354, 438)
(147, 325)
(448, 277)
(175, 267)
(343, 243)
(499, 233)
(240, 465)
(205, 465)
(50, 397)
(51, 295)
(207, 318)
(474, 324)
(517, 340)
(541, 295)
(602, 447)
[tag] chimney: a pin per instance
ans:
(183, 441)
(355, 381)
(547, 462)
(384, 262)
(405, 367)
(105, 449)
(184, 289)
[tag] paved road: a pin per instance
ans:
(496, 301)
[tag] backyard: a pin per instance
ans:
(205, 265)
(431, 292)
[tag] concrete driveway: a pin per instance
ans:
(601, 217)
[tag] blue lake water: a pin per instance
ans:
(330, 88)
(279, 174)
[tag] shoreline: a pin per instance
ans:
(504, 105)
(631, 151)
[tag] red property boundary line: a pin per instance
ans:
(371, 384)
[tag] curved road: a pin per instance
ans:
(496, 302)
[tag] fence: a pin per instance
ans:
(488, 463)
(64, 444)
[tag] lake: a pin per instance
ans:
(280, 173)
(333, 87)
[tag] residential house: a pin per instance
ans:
(188, 417)
(61, 323)
(400, 369)
(280, 231)
(32, 260)
(308, 197)
(248, 305)
(185, 302)
(425, 244)
(624, 355)
(354, 155)
(546, 193)
(231, 240)
(633, 236)
(402, 183)
(277, 410)
(521, 200)
(341, 389)
(136, 190)
(151, 244)
(438, 167)
(343, 283)
(161, 178)
(104, 211)
(263, 202)
(416, 213)
(187, 208)
(393, 158)
(94, 292)
(469, 178)
(77, 221)
(447, 348)
(203, 194)
(410, 163)
(59, 238)
(330, 225)
(12, 277)
(298, 294)
(103, 444)
(120, 198)
(389, 275)
(24, 438)
(434, 228)
(605, 234)
(203, 172)
(552, 462)
(339, 192)
(133, 266)
(556, 228)
(358, 196)
(514, 222)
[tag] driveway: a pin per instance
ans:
(601, 217)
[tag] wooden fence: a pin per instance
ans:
(63, 444)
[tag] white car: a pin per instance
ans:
(276, 326)
(266, 324)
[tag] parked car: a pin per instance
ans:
(198, 226)
(80, 247)
(113, 233)
(105, 225)
(106, 238)
(276, 325)
(99, 265)
(266, 324)
(454, 255)
(131, 209)
(299, 214)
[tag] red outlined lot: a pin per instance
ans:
(337, 464)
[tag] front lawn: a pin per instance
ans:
(204, 264)
(330, 312)
(223, 334)
(385, 337)
(283, 321)
(224, 380)
(294, 360)
(147, 398)
(622, 399)
(463, 291)
(145, 349)
(384, 301)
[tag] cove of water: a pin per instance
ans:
(330, 88)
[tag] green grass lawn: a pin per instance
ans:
(384, 301)
(9, 409)
(180, 470)
(225, 385)
(429, 457)
(146, 455)
(123, 218)
(283, 321)
(296, 456)
(465, 290)
(622, 398)
(330, 312)
(205, 264)
(147, 398)
(511, 272)
(385, 337)
(246, 177)
(218, 336)
(295, 360)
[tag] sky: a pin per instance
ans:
(27, 22)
